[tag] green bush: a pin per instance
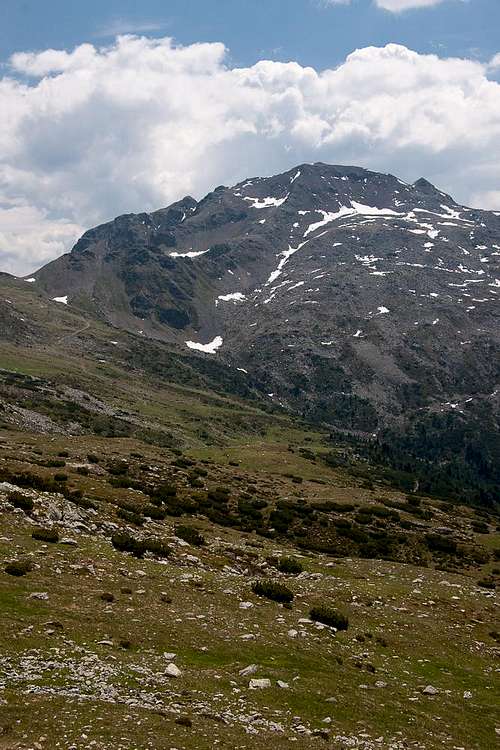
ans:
(130, 516)
(42, 534)
(83, 502)
(487, 583)
(439, 543)
(55, 463)
(163, 493)
(190, 535)
(157, 547)
(152, 511)
(18, 568)
(278, 592)
(60, 477)
(118, 468)
(125, 542)
(183, 463)
(480, 527)
(290, 565)
(18, 500)
(329, 616)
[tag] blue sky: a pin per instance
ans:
(312, 32)
(109, 107)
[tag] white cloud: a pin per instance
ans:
(494, 63)
(334, 2)
(89, 134)
(129, 26)
(28, 238)
(396, 6)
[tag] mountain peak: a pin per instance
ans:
(347, 288)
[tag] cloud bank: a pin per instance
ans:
(89, 134)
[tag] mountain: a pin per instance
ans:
(343, 295)
(249, 475)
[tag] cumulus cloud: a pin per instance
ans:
(95, 132)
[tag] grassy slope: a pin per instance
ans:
(413, 626)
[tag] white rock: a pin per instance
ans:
(173, 671)
(430, 690)
(169, 656)
(247, 671)
(292, 633)
(245, 605)
(282, 684)
(42, 595)
(259, 683)
(467, 694)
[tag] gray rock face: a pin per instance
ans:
(339, 293)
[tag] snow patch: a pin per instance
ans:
(209, 348)
(266, 202)
(190, 254)
(62, 300)
(286, 255)
(234, 297)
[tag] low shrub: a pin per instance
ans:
(157, 547)
(82, 502)
(18, 500)
(107, 596)
(18, 568)
(439, 543)
(125, 542)
(329, 616)
(190, 535)
(487, 583)
(60, 477)
(290, 565)
(480, 527)
(154, 512)
(118, 468)
(130, 516)
(183, 463)
(42, 534)
(278, 592)
(55, 463)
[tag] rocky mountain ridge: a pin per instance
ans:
(346, 293)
